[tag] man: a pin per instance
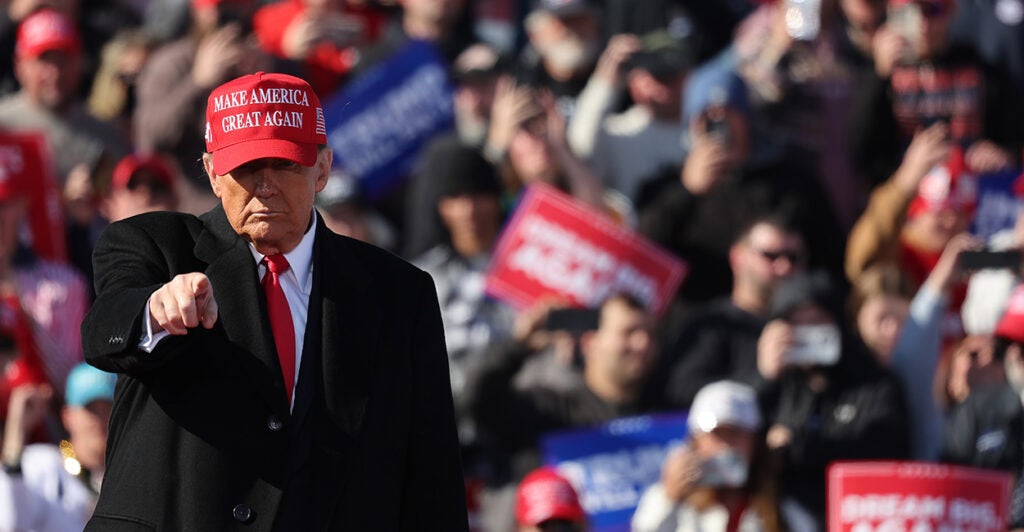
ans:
(48, 64)
(319, 401)
(631, 147)
(723, 185)
(931, 79)
(565, 41)
(470, 210)
(46, 487)
(617, 358)
(720, 340)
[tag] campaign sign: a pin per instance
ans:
(998, 205)
(377, 124)
(610, 466)
(556, 246)
(917, 497)
(25, 159)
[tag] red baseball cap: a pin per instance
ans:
(127, 168)
(46, 30)
(1011, 325)
(263, 115)
(947, 186)
(545, 495)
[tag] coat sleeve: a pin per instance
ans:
(875, 236)
(434, 496)
(129, 268)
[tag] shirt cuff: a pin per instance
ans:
(150, 339)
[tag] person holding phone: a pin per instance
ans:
(824, 397)
(721, 478)
(923, 77)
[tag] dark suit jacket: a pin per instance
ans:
(201, 437)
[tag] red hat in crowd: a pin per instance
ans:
(947, 186)
(129, 167)
(544, 495)
(46, 30)
(1011, 325)
(263, 115)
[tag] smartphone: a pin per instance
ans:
(803, 19)
(817, 345)
(725, 469)
(906, 20)
(990, 260)
(574, 320)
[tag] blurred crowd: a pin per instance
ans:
(815, 163)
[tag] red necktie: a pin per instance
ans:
(280, 318)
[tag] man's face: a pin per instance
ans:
(49, 80)
(569, 42)
(269, 202)
(622, 348)
(471, 216)
(767, 256)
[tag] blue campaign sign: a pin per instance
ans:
(613, 464)
(377, 124)
(998, 205)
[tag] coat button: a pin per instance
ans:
(242, 513)
(274, 423)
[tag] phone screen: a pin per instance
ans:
(906, 20)
(981, 260)
(575, 320)
(818, 345)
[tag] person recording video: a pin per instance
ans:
(824, 397)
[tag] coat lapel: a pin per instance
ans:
(350, 321)
(235, 281)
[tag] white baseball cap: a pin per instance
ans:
(724, 403)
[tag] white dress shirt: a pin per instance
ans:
(297, 283)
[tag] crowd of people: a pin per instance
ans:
(816, 165)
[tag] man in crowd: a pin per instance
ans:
(719, 340)
(565, 41)
(288, 378)
(48, 65)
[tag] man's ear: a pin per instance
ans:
(210, 174)
(324, 161)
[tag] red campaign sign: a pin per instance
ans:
(555, 246)
(26, 157)
(917, 497)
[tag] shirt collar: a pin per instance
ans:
(300, 259)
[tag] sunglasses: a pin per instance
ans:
(794, 257)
